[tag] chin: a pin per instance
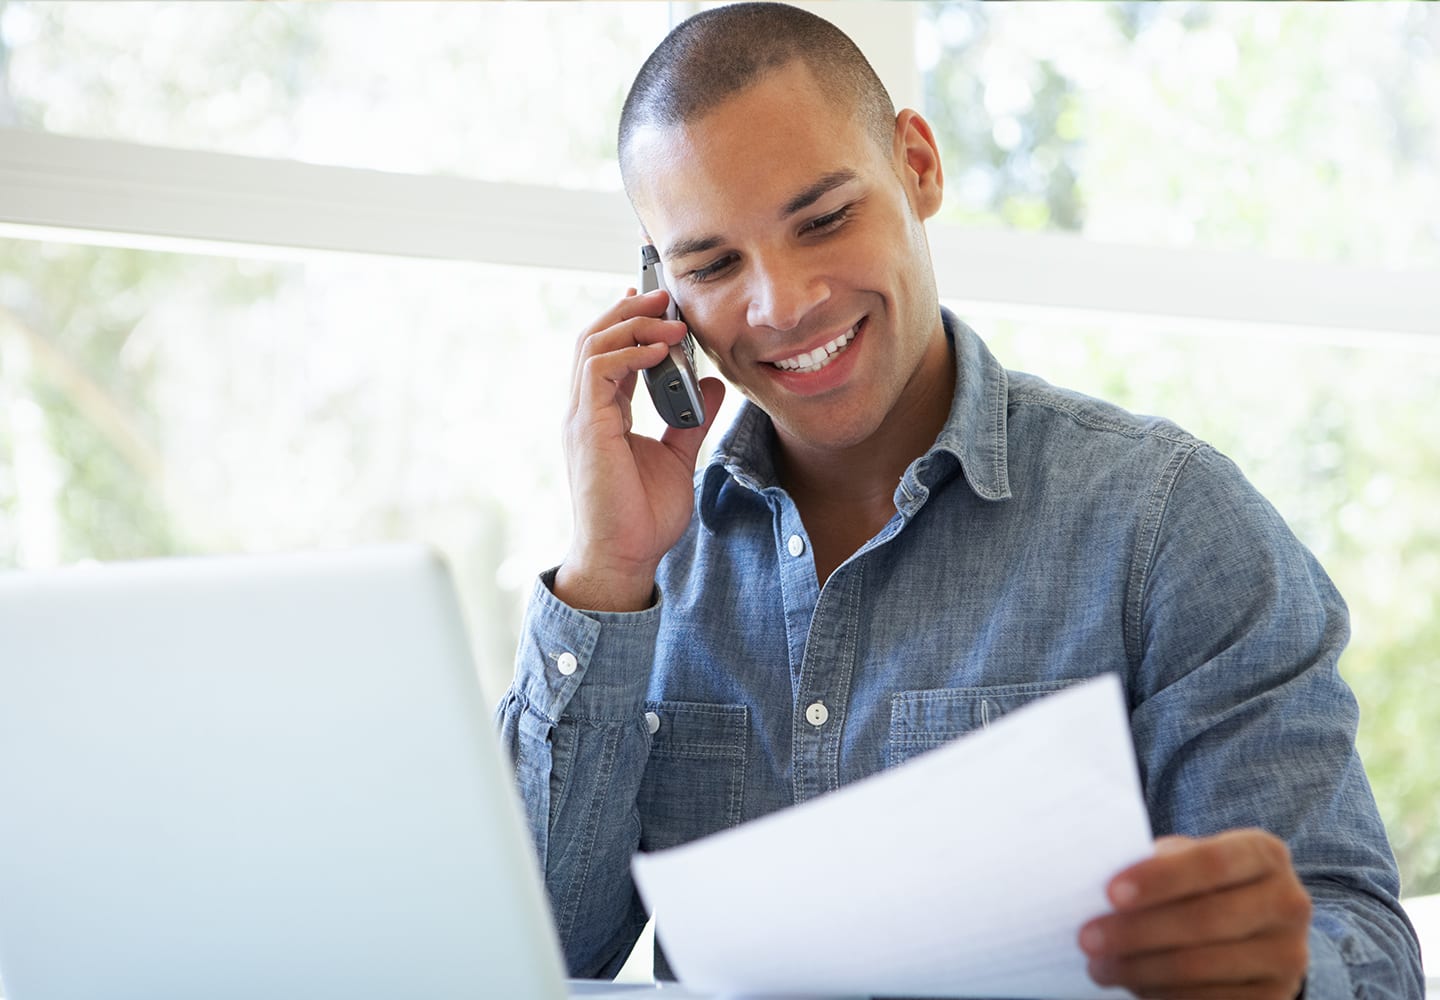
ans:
(827, 431)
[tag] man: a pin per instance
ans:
(899, 540)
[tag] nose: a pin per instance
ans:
(782, 293)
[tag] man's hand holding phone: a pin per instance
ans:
(632, 496)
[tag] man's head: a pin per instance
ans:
(714, 55)
(791, 226)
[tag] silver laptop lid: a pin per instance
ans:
(257, 777)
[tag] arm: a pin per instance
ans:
(1245, 733)
(577, 736)
(573, 719)
(632, 496)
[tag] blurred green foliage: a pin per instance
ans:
(1292, 131)
(1255, 127)
(1297, 130)
(1344, 447)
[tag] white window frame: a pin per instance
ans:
(70, 189)
(90, 190)
(93, 190)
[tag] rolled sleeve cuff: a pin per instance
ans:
(1327, 977)
(587, 664)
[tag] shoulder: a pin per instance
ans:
(1033, 399)
(1059, 440)
(1070, 450)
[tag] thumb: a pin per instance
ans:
(685, 441)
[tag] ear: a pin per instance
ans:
(917, 161)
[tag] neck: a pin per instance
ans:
(872, 468)
(846, 495)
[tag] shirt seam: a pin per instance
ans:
(1000, 451)
(1087, 419)
(591, 830)
(1147, 542)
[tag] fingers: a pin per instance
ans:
(632, 495)
(1182, 867)
(1219, 916)
(1257, 990)
(604, 377)
(1263, 968)
(1227, 913)
(635, 319)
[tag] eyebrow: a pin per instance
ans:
(802, 201)
(816, 191)
(684, 248)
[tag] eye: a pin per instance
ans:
(827, 223)
(712, 269)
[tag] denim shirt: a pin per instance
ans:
(1043, 539)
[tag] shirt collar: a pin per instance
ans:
(974, 432)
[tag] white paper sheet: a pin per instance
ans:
(967, 871)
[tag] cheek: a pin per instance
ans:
(728, 369)
(713, 322)
(711, 341)
(721, 351)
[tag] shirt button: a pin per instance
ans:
(566, 663)
(652, 722)
(817, 713)
(796, 545)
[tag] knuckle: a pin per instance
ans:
(1249, 853)
(1278, 852)
(1297, 954)
(585, 345)
(1120, 934)
(1217, 866)
(587, 335)
(1214, 920)
(1191, 965)
(1295, 906)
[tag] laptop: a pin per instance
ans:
(259, 776)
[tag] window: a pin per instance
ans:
(221, 327)
(1230, 156)
(160, 403)
(1282, 129)
(1337, 432)
(428, 88)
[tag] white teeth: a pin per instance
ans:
(813, 361)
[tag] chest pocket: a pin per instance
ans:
(694, 781)
(923, 720)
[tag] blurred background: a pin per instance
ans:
(161, 395)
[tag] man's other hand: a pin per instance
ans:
(1222, 916)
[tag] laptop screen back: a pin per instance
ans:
(256, 776)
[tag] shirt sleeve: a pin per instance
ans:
(1241, 718)
(573, 723)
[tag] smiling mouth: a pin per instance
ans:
(813, 361)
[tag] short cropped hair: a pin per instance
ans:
(711, 57)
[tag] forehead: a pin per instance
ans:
(749, 155)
